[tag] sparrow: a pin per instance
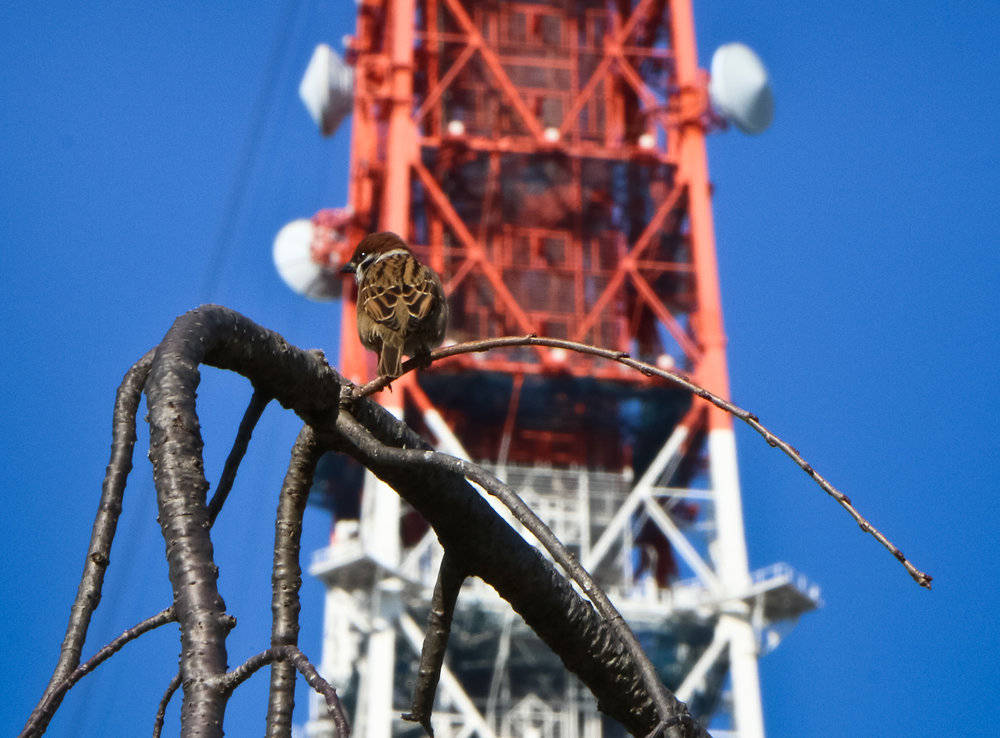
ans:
(401, 304)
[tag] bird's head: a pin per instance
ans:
(371, 247)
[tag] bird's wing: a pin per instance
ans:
(381, 292)
(420, 292)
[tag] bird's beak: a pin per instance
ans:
(348, 269)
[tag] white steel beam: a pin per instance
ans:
(666, 459)
(682, 545)
(733, 569)
(379, 671)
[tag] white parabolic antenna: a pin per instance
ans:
(293, 259)
(740, 89)
(327, 89)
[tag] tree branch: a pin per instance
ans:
(88, 594)
(470, 530)
(293, 655)
(679, 379)
(446, 589)
(667, 705)
(286, 578)
(297, 379)
(51, 700)
(596, 645)
(161, 711)
(258, 402)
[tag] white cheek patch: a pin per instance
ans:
(393, 252)
(359, 272)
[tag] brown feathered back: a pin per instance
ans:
(401, 303)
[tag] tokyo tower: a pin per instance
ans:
(548, 160)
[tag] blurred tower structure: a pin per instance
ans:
(547, 158)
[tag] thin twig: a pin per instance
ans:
(679, 379)
(258, 402)
(161, 711)
(298, 659)
(52, 699)
(99, 553)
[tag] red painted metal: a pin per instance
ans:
(330, 247)
(548, 160)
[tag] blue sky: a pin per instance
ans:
(149, 153)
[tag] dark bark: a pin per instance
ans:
(446, 590)
(298, 660)
(297, 379)
(489, 548)
(591, 644)
(286, 579)
(99, 553)
(258, 403)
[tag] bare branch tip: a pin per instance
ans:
(411, 717)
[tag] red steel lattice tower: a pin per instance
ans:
(548, 160)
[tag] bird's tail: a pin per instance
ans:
(390, 361)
